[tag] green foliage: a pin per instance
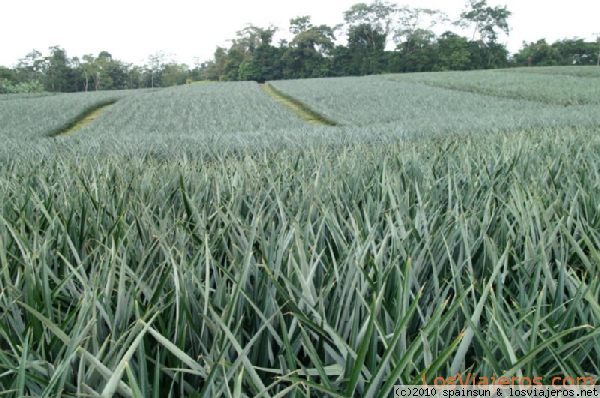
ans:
(276, 272)
(369, 29)
(202, 241)
(7, 87)
(448, 102)
(575, 71)
(174, 74)
(453, 52)
(563, 52)
(561, 89)
(208, 111)
(30, 117)
(58, 74)
(486, 20)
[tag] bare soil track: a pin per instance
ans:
(85, 118)
(300, 109)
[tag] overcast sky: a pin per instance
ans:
(190, 30)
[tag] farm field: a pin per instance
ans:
(577, 71)
(204, 240)
(207, 110)
(555, 88)
(405, 102)
(31, 117)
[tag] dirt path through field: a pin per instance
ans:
(83, 120)
(300, 109)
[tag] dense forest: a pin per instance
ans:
(379, 37)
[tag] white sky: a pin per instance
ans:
(190, 30)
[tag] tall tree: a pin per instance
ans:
(370, 23)
(487, 22)
(453, 52)
(258, 59)
(135, 76)
(417, 52)
(415, 38)
(90, 70)
(366, 50)
(114, 73)
(31, 67)
(58, 71)
(307, 52)
(415, 22)
(154, 65)
(368, 28)
(174, 74)
(252, 37)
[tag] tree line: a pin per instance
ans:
(59, 73)
(380, 37)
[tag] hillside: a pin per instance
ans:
(207, 240)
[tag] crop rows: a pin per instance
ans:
(421, 109)
(32, 118)
(205, 241)
(576, 71)
(557, 89)
(304, 270)
(205, 110)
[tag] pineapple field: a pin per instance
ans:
(208, 241)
